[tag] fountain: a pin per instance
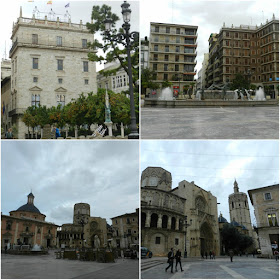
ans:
(36, 248)
(259, 96)
(235, 94)
(248, 94)
(166, 94)
(198, 95)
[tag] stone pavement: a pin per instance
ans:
(220, 268)
(47, 267)
(210, 123)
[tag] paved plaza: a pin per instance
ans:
(210, 123)
(47, 267)
(220, 268)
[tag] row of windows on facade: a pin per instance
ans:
(9, 227)
(179, 30)
(246, 44)
(176, 49)
(128, 221)
(59, 41)
(266, 50)
(59, 80)
(167, 77)
(119, 81)
(177, 58)
(168, 39)
(242, 35)
(35, 64)
(247, 61)
(35, 100)
(187, 68)
(128, 232)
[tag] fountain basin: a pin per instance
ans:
(152, 102)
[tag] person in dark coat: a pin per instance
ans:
(170, 260)
(231, 254)
(205, 255)
(178, 259)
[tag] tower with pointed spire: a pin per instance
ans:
(239, 208)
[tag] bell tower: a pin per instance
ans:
(239, 208)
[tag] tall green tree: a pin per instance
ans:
(239, 82)
(147, 80)
(111, 50)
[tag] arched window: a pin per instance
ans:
(164, 221)
(154, 219)
(232, 205)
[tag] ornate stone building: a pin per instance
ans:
(50, 65)
(86, 231)
(266, 204)
(183, 218)
(27, 226)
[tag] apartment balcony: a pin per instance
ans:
(17, 111)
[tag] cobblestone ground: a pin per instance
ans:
(220, 268)
(210, 123)
(47, 267)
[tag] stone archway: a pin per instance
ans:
(206, 238)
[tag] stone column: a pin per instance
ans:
(169, 223)
(148, 219)
(159, 222)
(177, 223)
(42, 233)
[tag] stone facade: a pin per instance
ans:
(49, 65)
(266, 205)
(183, 218)
(126, 230)
(6, 121)
(84, 231)
(27, 226)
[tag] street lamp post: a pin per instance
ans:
(126, 39)
(186, 227)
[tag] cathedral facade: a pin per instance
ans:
(183, 218)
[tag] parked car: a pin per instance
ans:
(145, 252)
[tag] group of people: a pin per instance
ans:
(211, 255)
(171, 256)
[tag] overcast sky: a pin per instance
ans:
(209, 16)
(79, 10)
(104, 174)
(214, 165)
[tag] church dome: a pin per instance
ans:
(29, 206)
(221, 219)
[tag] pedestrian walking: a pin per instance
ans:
(178, 259)
(210, 255)
(213, 255)
(276, 254)
(231, 254)
(206, 255)
(170, 260)
(202, 255)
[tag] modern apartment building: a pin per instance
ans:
(173, 53)
(50, 65)
(250, 50)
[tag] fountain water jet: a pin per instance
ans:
(259, 96)
(166, 94)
